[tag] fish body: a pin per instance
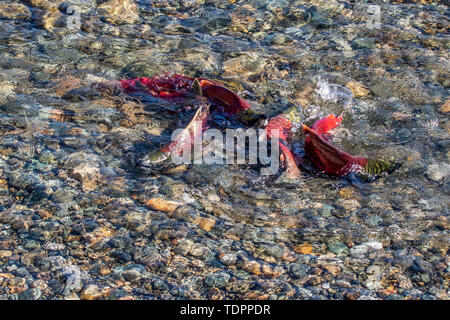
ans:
(318, 148)
(327, 157)
(289, 159)
(332, 160)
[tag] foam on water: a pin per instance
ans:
(333, 92)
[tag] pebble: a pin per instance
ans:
(78, 218)
(228, 259)
(350, 205)
(148, 256)
(6, 87)
(184, 246)
(134, 272)
(438, 171)
(71, 296)
(119, 11)
(217, 279)
(14, 11)
(47, 157)
(50, 18)
(374, 245)
(5, 253)
(32, 245)
(21, 272)
(62, 196)
(299, 270)
(363, 43)
(119, 242)
(252, 267)
(43, 3)
(338, 247)
(326, 210)
(98, 234)
(304, 248)
(278, 39)
(373, 281)
(358, 89)
(92, 292)
(199, 250)
(332, 268)
(121, 256)
(373, 220)
(246, 63)
(88, 175)
(31, 294)
(24, 181)
(359, 250)
(445, 108)
(163, 205)
(212, 196)
(205, 223)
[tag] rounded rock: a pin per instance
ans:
(217, 279)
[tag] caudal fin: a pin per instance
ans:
(378, 167)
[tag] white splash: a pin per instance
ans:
(333, 92)
(374, 245)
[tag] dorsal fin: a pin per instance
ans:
(196, 89)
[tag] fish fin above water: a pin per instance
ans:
(196, 89)
(217, 94)
(326, 124)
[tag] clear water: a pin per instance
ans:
(319, 237)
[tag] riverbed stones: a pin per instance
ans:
(31, 294)
(163, 205)
(247, 63)
(235, 234)
(217, 279)
(373, 281)
(304, 248)
(134, 272)
(6, 89)
(299, 270)
(50, 18)
(119, 11)
(228, 259)
(358, 89)
(438, 171)
(252, 266)
(93, 292)
(14, 11)
(338, 247)
(88, 175)
(5, 254)
(445, 108)
(205, 223)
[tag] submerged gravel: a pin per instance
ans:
(78, 219)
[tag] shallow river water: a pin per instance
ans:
(79, 219)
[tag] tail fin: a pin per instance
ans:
(380, 167)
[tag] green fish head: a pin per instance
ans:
(293, 114)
